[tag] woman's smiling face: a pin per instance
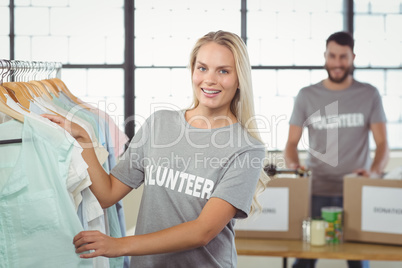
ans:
(215, 78)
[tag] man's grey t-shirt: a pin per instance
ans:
(338, 125)
(182, 167)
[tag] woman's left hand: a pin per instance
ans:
(98, 243)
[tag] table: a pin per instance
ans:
(298, 249)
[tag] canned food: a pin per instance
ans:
(333, 219)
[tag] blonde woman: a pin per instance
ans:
(200, 168)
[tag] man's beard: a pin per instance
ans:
(342, 78)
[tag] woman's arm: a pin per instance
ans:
(107, 189)
(193, 234)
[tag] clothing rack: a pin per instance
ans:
(21, 70)
(37, 85)
(12, 70)
(10, 141)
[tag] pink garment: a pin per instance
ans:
(118, 137)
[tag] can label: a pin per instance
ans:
(333, 220)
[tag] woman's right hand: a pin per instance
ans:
(74, 129)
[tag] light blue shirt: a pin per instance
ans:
(37, 218)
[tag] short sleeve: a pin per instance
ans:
(130, 168)
(377, 113)
(298, 115)
(239, 182)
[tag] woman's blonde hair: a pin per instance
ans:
(242, 105)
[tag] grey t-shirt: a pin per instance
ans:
(182, 167)
(338, 125)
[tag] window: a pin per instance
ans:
(87, 37)
(163, 41)
(4, 30)
(281, 37)
(285, 40)
(379, 57)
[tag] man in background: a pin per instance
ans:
(339, 112)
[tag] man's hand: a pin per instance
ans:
(366, 173)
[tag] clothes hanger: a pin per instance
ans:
(41, 88)
(66, 91)
(50, 80)
(23, 93)
(30, 91)
(61, 86)
(43, 91)
(58, 83)
(15, 90)
(50, 88)
(4, 108)
(3, 93)
(18, 92)
(47, 68)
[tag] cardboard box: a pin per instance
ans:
(372, 210)
(285, 202)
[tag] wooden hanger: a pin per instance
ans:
(8, 92)
(18, 94)
(29, 91)
(59, 83)
(51, 88)
(3, 93)
(32, 90)
(49, 68)
(4, 108)
(42, 91)
(10, 112)
(42, 88)
(53, 84)
(63, 88)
